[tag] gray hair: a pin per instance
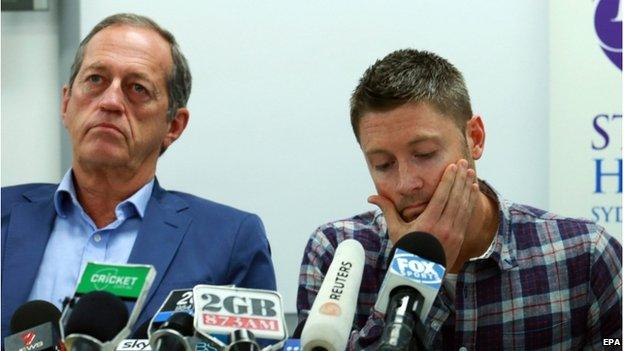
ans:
(411, 76)
(178, 80)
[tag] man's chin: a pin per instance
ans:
(409, 216)
(105, 158)
(411, 213)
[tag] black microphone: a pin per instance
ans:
(243, 340)
(415, 271)
(97, 317)
(299, 329)
(174, 333)
(34, 313)
(34, 327)
(141, 331)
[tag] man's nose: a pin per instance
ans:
(410, 179)
(112, 99)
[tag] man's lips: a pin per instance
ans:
(108, 126)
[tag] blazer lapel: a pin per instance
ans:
(160, 235)
(26, 239)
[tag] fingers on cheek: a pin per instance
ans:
(470, 176)
(443, 189)
(450, 171)
(459, 186)
(469, 185)
(463, 175)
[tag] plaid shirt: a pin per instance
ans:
(550, 283)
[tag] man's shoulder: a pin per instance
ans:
(525, 214)
(205, 209)
(20, 189)
(366, 220)
(535, 228)
(367, 227)
(25, 193)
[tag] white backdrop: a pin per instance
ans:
(31, 132)
(269, 130)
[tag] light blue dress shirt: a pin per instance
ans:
(76, 240)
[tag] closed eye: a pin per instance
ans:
(383, 167)
(425, 155)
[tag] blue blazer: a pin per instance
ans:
(187, 239)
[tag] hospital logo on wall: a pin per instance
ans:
(608, 24)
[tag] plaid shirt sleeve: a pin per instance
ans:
(317, 257)
(369, 334)
(605, 310)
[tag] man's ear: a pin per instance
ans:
(64, 102)
(475, 135)
(176, 127)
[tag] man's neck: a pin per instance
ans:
(100, 191)
(481, 230)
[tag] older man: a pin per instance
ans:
(125, 104)
(517, 277)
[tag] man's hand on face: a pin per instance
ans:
(447, 214)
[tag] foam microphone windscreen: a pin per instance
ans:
(32, 314)
(99, 314)
(422, 244)
(330, 319)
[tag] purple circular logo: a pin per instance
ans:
(608, 23)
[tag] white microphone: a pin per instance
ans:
(329, 323)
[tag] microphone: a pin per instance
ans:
(410, 286)
(141, 332)
(243, 340)
(34, 327)
(331, 316)
(34, 313)
(95, 319)
(299, 329)
(172, 335)
(114, 284)
(225, 314)
(136, 344)
(176, 332)
(179, 300)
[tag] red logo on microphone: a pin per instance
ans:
(28, 338)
